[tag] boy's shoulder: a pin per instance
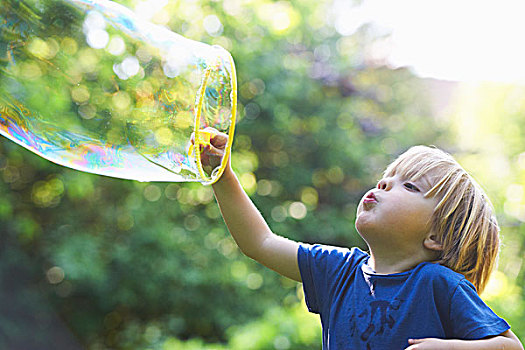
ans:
(329, 260)
(437, 269)
(440, 276)
(323, 251)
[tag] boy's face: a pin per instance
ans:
(396, 214)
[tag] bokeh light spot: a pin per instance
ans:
(152, 193)
(213, 25)
(297, 210)
(80, 94)
(55, 275)
(116, 46)
(254, 280)
(279, 213)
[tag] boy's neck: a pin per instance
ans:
(395, 263)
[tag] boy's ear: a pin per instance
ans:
(432, 242)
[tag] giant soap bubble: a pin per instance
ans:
(89, 85)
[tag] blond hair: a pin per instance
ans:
(463, 220)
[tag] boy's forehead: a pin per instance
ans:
(427, 176)
(427, 166)
(427, 180)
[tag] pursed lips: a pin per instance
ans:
(370, 198)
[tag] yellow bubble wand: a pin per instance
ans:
(203, 137)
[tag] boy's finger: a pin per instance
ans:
(219, 140)
(211, 130)
(211, 150)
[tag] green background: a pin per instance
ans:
(91, 262)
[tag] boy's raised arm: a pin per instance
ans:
(245, 223)
(250, 230)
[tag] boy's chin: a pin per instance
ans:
(363, 229)
(364, 223)
(369, 231)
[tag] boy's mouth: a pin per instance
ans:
(370, 198)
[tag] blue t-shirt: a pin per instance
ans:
(360, 309)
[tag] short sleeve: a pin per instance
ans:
(321, 268)
(470, 317)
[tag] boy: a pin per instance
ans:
(433, 240)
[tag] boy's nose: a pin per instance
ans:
(384, 184)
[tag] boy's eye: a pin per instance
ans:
(411, 186)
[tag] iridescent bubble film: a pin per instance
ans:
(88, 85)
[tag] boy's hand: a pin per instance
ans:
(506, 340)
(429, 344)
(211, 155)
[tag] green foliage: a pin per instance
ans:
(132, 265)
(279, 328)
